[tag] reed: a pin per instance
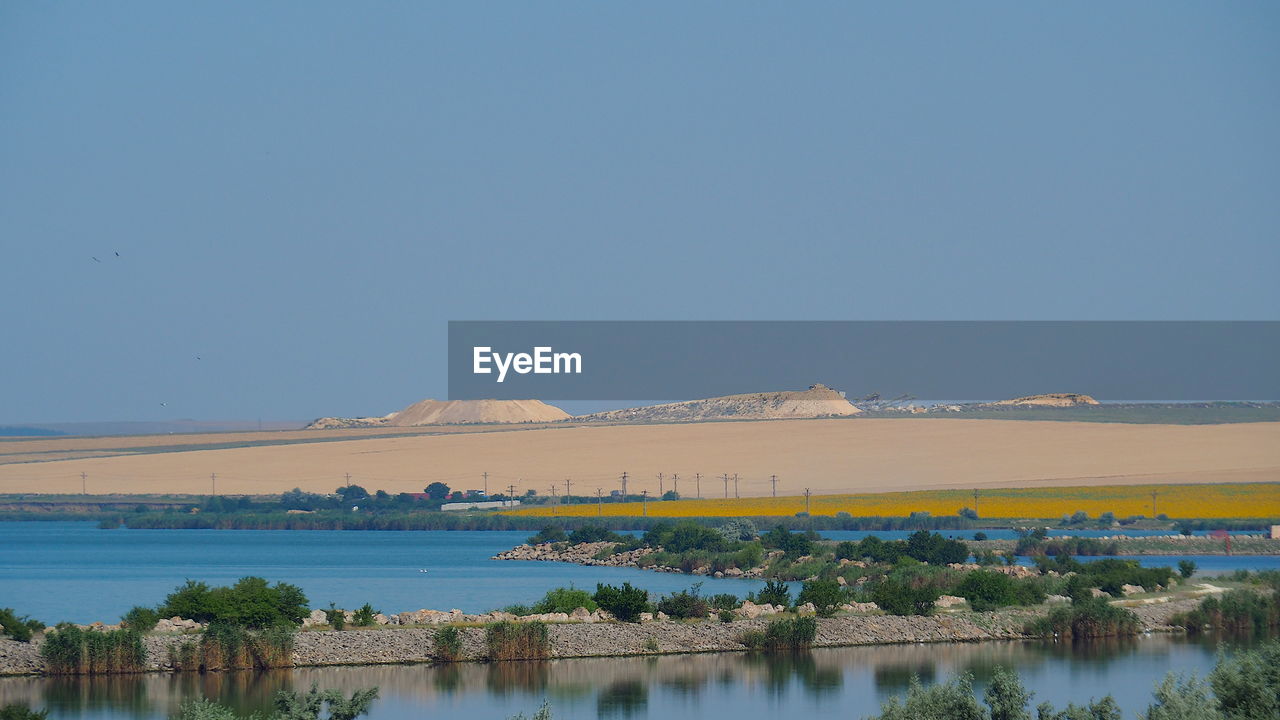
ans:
(70, 650)
(517, 641)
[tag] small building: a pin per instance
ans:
(489, 505)
(1275, 532)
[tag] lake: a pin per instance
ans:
(73, 571)
(842, 683)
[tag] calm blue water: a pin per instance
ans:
(73, 571)
(841, 683)
(76, 572)
(1006, 533)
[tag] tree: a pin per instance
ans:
(437, 491)
(352, 493)
(826, 596)
(1186, 568)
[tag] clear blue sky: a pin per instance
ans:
(303, 193)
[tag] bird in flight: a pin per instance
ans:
(95, 259)
(117, 254)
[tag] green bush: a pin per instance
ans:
(593, 533)
(684, 605)
(1094, 617)
(448, 644)
(70, 650)
(22, 712)
(364, 616)
(826, 596)
(774, 592)
(517, 641)
(985, 590)
(18, 628)
(251, 602)
(336, 617)
(724, 601)
(140, 618)
(290, 705)
(1237, 610)
(549, 534)
(1005, 697)
(726, 616)
(687, 535)
(783, 634)
(624, 603)
(1186, 568)
(793, 545)
(899, 597)
(564, 600)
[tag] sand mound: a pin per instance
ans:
(817, 401)
(450, 412)
(1048, 400)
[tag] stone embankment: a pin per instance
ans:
(583, 634)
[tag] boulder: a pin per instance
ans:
(947, 601)
(317, 617)
(1095, 592)
(1132, 589)
(806, 609)
(1057, 600)
(840, 579)
(646, 617)
(580, 614)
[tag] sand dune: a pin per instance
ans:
(828, 456)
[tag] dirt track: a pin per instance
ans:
(828, 456)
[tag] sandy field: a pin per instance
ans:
(828, 456)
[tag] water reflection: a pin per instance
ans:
(840, 682)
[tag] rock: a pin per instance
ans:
(1132, 589)
(947, 601)
(840, 579)
(580, 614)
(1057, 600)
(733, 572)
(317, 617)
(806, 609)
(646, 617)
(662, 616)
(380, 619)
(1095, 592)
(750, 610)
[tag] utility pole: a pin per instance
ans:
(348, 478)
(511, 494)
(599, 501)
(725, 478)
(84, 487)
(975, 502)
(486, 485)
(213, 482)
(675, 484)
(567, 483)
(660, 488)
(1154, 511)
(774, 479)
(806, 501)
(697, 481)
(735, 487)
(553, 498)
(624, 485)
(644, 502)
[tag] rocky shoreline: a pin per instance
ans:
(396, 643)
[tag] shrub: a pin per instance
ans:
(517, 641)
(847, 550)
(69, 650)
(784, 634)
(1186, 568)
(624, 603)
(142, 619)
(593, 533)
(826, 596)
(364, 616)
(22, 712)
(684, 536)
(548, 534)
(564, 600)
(336, 617)
(684, 605)
(1089, 618)
(774, 592)
(251, 602)
(791, 544)
(986, 590)
(979, 535)
(723, 601)
(227, 646)
(448, 644)
(19, 628)
(968, 513)
(934, 549)
(1246, 683)
(898, 597)
(1238, 610)
(726, 616)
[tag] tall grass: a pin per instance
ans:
(517, 641)
(783, 635)
(448, 644)
(69, 650)
(1089, 618)
(225, 646)
(1238, 610)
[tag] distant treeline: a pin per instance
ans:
(339, 520)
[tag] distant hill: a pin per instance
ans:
(26, 431)
(451, 412)
(817, 401)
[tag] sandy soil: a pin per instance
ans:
(828, 456)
